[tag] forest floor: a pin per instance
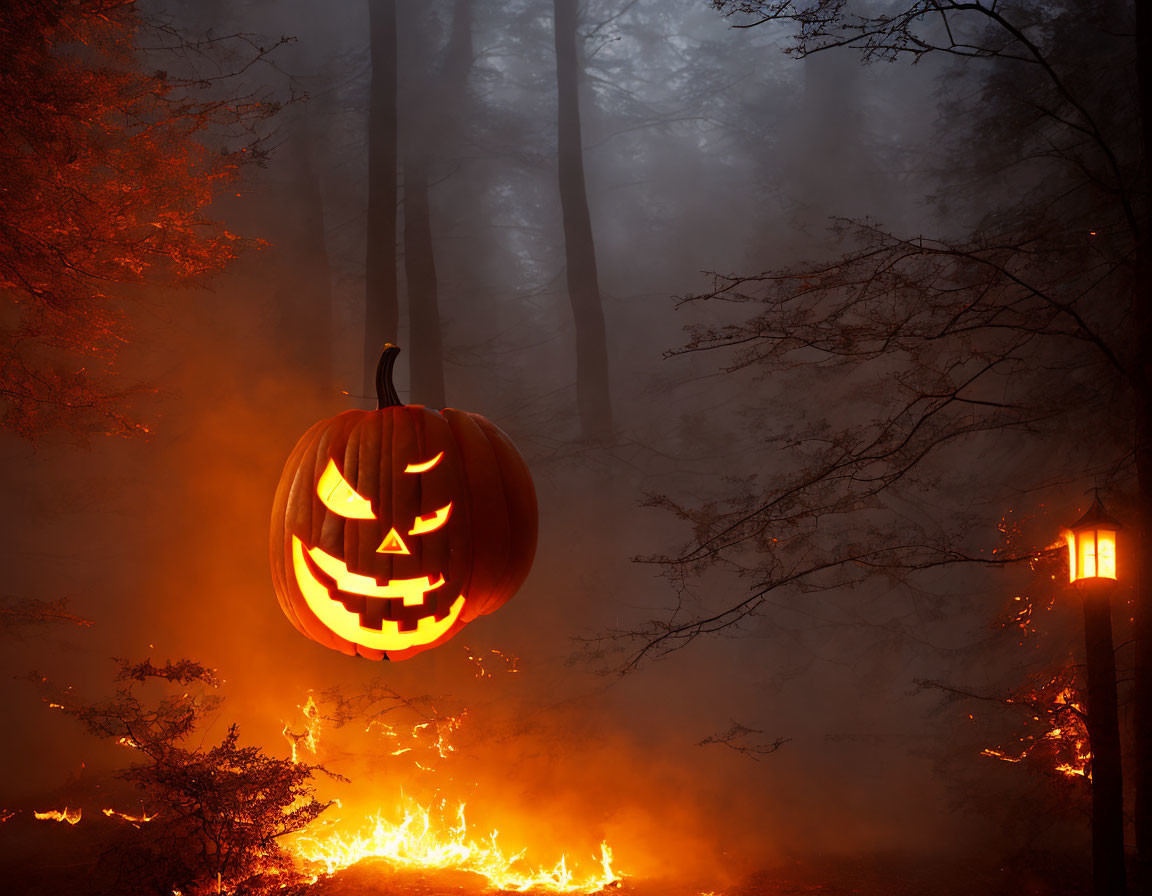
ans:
(57, 860)
(872, 876)
(861, 877)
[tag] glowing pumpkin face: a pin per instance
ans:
(394, 528)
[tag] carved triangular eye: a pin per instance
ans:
(393, 544)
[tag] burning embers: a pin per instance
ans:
(423, 839)
(432, 837)
(71, 816)
(74, 816)
(1065, 740)
(134, 820)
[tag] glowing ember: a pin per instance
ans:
(135, 820)
(420, 841)
(1074, 735)
(72, 816)
(309, 738)
(1066, 738)
(426, 736)
(509, 661)
(444, 727)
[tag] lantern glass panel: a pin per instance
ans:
(1105, 553)
(1086, 554)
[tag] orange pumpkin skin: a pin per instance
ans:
(403, 576)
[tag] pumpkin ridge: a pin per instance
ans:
(294, 499)
(521, 508)
(281, 501)
(494, 601)
(492, 535)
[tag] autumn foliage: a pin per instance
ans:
(106, 176)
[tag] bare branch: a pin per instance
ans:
(18, 614)
(736, 738)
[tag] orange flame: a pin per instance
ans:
(426, 840)
(72, 816)
(424, 736)
(1066, 737)
(423, 841)
(1075, 735)
(509, 660)
(309, 738)
(134, 820)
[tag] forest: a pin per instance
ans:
(655, 447)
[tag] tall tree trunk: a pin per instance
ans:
(458, 53)
(592, 385)
(1108, 874)
(381, 303)
(1142, 306)
(436, 93)
(426, 361)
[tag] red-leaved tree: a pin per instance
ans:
(105, 179)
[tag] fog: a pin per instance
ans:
(706, 149)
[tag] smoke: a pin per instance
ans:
(163, 542)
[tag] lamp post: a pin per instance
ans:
(1092, 570)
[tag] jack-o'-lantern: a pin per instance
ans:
(394, 528)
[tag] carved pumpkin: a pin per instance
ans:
(394, 528)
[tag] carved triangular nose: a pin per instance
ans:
(393, 544)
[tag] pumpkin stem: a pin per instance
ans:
(386, 396)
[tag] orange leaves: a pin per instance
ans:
(103, 186)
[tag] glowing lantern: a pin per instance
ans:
(394, 528)
(1092, 570)
(1092, 545)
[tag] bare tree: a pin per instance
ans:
(434, 107)
(1028, 338)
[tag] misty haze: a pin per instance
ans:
(680, 447)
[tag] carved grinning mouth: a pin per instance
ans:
(396, 615)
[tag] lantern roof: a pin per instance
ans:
(1096, 516)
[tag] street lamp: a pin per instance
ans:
(1092, 570)
(1092, 546)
